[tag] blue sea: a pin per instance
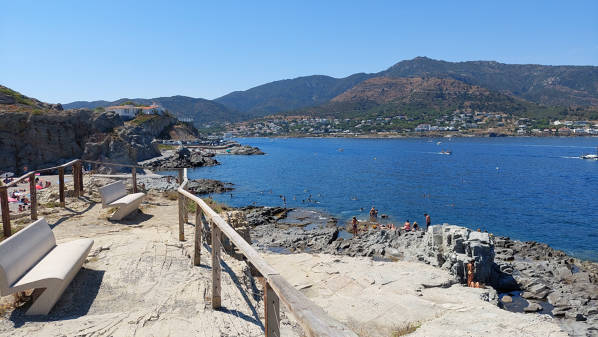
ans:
(525, 188)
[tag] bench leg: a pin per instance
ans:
(46, 298)
(125, 210)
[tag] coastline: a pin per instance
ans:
(528, 276)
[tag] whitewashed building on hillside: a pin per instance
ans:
(130, 111)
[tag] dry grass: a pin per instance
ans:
(171, 195)
(405, 329)
(52, 204)
(374, 330)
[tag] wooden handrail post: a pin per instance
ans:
(33, 196)
(80, 174)
(197, 238)
(216, 300)
(75, 180)
(181, 179)
(271, 311)
(182, 210)
(61, 185)
(134, 178)
(5, 211)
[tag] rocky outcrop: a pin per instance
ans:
(208, 186)
(244, 150)
(545, 275)
(35, 139)
(126, 144)
(453, 247)
(182, 157)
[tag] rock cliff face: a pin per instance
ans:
(128, 144)
(35, 135)
(36, 140)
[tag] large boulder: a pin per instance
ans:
(453, 247)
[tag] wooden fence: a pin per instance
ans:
(77, 171)
(314, 320)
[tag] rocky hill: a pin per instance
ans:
(425, 99)
(289, 94)
(548, 85)
(201, 110)
(34, 134)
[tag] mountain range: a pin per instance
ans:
(529, 87)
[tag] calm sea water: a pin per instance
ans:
(525, 188)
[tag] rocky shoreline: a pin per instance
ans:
(540, 278)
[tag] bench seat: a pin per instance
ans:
(30, 259)
(127, 199)
(115, 195)
(58, 264)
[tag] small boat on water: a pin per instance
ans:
(590, 156)
(446, 152)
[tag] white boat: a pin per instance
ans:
(590, 156)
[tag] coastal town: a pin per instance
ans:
(457, 124)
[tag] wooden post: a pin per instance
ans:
(181, 218)
(80, 174)
(61, 185)
(5, 211)
(271, 311)
(134, 177)
(33, 196)
(185, 213)
(75, 180)
(216, 300)
(197, 238)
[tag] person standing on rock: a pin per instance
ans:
(428, 221)
(354, 223)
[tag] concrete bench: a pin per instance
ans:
(115, 195)
(30, 259)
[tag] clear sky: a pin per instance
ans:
(62, 51)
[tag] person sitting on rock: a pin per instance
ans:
(415, 226)
(407, 226)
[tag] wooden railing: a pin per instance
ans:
(77, 169)
(314, 320)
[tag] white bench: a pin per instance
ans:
(115, 195)
(30, 259)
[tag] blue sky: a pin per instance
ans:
(61, 51)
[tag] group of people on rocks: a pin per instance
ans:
(407, 226)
